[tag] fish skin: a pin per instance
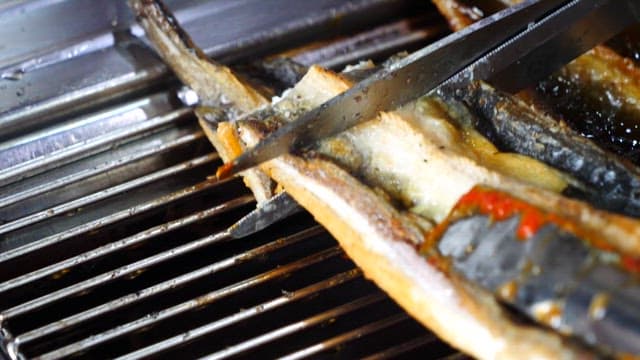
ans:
(598, 95)
(523, 130)
(594, 78)
(222, 93)
(553, 266)
(360, 218)
(458, 15)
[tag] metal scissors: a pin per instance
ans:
(511, 49)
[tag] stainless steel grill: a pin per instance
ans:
(112, 234)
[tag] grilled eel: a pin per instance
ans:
(596, 96)
(222, 93)
(382, 205)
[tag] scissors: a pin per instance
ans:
(511, 49)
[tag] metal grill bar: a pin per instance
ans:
(112, 191)
(133, 267)
(166, 285)
(123, 82)
(77, 161)
(134, 111)
(381, 41)
(351, 335)
(90, 147)
(244, 315)
(104, 167)
(110, 219)
(124, 243)
(189, 305)
(402, 348)
(295, 327)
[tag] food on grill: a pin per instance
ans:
(386, 188)
(604, 179)
(598, 95)
(222, 95)
(512, 248)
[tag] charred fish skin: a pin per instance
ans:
(215, 84)
(597, 95)
(519, 128)
(601, 78)
(280, 73)
(550, 274)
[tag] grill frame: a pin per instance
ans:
(114, 156)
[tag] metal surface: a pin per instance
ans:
(114, 237)
(405, 80)
(277, 208)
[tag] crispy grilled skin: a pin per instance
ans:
(222, 94)
(462, 13)
(598, 95)
(219, 87)
(615, 184)
(457, 14)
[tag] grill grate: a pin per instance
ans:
(112, 234)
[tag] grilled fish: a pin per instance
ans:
(429, 153)
(222, 94)
(596, 96)
(384, 207)
(606, 180)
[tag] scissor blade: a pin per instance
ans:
(273, 210)
(406, 80)
(549, 44)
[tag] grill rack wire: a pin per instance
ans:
(112, 240)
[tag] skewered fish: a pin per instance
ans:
(386, 207)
